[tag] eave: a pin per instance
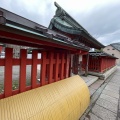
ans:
(15, 28)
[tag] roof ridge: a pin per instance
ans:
(60, 11)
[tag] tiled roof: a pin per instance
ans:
(116, 46)
(101, 54)
(65, 23)
(21, 24)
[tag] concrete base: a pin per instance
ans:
(105, 75)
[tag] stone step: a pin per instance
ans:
(89, 80)
(95, 86)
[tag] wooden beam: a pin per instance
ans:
(22, 36)
(23, 55)
(34, 69)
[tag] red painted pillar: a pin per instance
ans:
(57, 67)
(67, 67)
(101, 64)
(62, 67)
(34, 68)
(23, 55)
(8, 72)
(50, 78)
(90, 64)
(43, 69)
(0, 49)
(106, 63)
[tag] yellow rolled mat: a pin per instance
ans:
(63, 100)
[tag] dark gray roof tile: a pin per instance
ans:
(116, 46)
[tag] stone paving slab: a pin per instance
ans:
(116, 81)
(103, 113)
(108, 105)
(91, 91)
(115, 84)
(112, 90)
(109, 98)
(89, 79)
(92, 117)
(112, 87)
(97, 84)
(117, 73)
(118, 114)
(111, 93)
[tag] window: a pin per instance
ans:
(112, 54)
(108, 49)
(113, 49)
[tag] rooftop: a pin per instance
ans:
(65, 23)
(16, 24)
(101, 54)
(116, 46)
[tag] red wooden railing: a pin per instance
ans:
(107, 63)
(94, 64)
(99, 63)
(54, 67)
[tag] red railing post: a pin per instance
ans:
(101, 64)
(23, 55)
(50, 73)
(34, 68)
(67, 66)
(56, 66)
(8, 72)
(43, 69)
(62, 67)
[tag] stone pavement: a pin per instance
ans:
(106, 107)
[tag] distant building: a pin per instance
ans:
(113, 49)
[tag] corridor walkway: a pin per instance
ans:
(106, 106)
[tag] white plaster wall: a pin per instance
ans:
(80, 58)
(29, 56)
(110, 50)
(71, 74)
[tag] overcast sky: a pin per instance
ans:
(101, 18)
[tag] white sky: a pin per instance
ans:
(99, 17)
